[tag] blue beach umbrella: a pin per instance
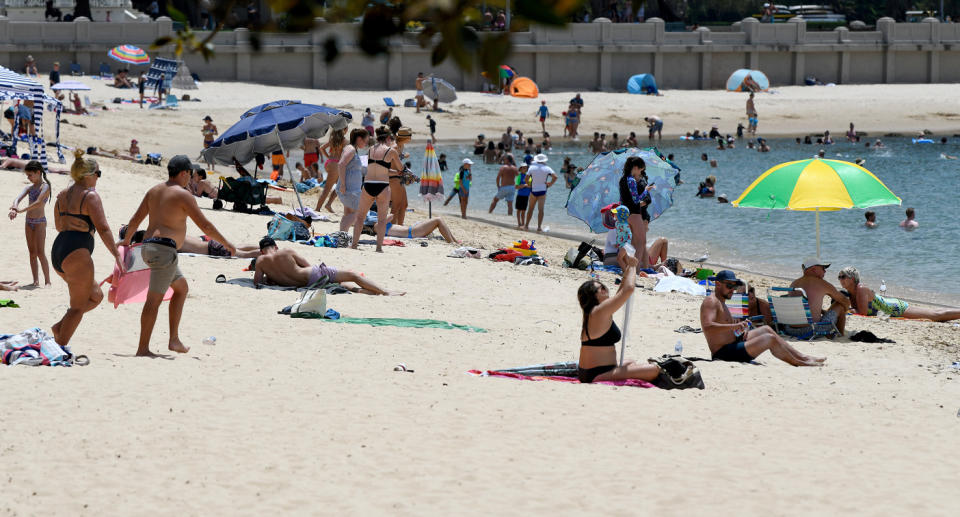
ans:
(274, 126)
(599, 185)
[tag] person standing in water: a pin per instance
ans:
(506, 179)
(542, 178)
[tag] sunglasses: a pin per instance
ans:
(731, 285)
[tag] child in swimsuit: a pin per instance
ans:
(38, 193)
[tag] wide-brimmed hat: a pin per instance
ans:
(540, 158)
(404, 132)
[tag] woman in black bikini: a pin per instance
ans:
(77, 213)
(598, 355)
(382, 161)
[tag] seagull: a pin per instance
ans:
(704, 258)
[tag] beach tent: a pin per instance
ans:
(183, 80)
(735, 82)
(643, 83)
(524, 87)
(15, 86)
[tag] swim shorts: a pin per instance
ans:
(215, 248)
(734, 352)
(521, 202)
(892, 306)
(161, 256)
(506, 192)
(310, 159)
(753, 121)
(321, 270)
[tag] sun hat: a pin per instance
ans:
(540, 158)
(814, 261)
(467, 161)
(725, 276)
(404, 132)
(133, 141)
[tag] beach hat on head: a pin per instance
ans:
(540, 158)
(179, 163)
(814, 261)
(29, 58)
(715, 126)
(404, 132)
(725, 276)
(207, 118)
(467, 161)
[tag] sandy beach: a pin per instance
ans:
(308, 417)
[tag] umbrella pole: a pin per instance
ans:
(429, 209)
(626, 327)
(290, 172)
(818, 232)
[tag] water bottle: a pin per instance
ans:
(211, 340)
(883, 287)
(678, 348)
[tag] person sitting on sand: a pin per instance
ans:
(77, 105)
(871, 217)
(737, 341)
(21, 164)
(816, 289)
(599, 334)
(199, 185)
(120, 80)
(910, 224)
(286, 268)
(868, 303)
(656, 253)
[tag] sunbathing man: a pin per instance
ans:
(202, 245)
(286, 268)
(868, 303)
(17, 163)
(737, 342)
(168, 205)
(816, 289)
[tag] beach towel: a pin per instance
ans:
(396, 322)
(386, 242)
(680, 284)
(635, 383)
(131, 285)
(34, 347)
(10, 304)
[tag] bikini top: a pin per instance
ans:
(34, 193)
(381, 162)
(611, 337)
(83, 217)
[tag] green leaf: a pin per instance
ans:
(439, 54)
(161, 42)
(176, 15)
(542, 11)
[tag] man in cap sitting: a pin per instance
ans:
(737, 341)
(816, 289)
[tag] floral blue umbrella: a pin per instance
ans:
(598, 185)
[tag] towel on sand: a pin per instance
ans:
(636, 383)
(34, 347)
(393, 322)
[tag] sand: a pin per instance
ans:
(308, 417)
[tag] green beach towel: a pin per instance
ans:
(393, 322)
(9, 304)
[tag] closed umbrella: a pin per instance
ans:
(70, 85)
(816, 185)
(440, 90)
(431, 182)
(129, 54)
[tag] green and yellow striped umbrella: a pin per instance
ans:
(816, 185)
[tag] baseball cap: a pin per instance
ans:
(267, 242)
(179, 163)
(467, 161)
(814, 261)
(725, 276)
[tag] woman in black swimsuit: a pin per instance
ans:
(599, 334)
(77, 213)
(382, 161)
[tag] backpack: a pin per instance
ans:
(676, 372)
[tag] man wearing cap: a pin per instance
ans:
(541, 177)
(816, 288)
(737, 341)
(168, 205)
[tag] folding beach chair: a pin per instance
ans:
(390, 102)
(172, 102)
(76, 69)
(791, 310)
(105, 71)
(86, 101)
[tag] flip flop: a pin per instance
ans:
(221, 279)
(688, 329)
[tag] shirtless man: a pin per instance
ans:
(206, 246)
(168, 205)
(507, 140)
(505, 185)
(596, 145)
(17, 163)
(419, 84)
(737, 342)
(751, 116)
(285, 267)
(816, 289)
(910, 224)
(311, 153)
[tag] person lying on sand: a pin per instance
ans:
(202, 245)
(18, 164)
(736, 341)
(421, 229)
(9, 286)
(868, 303)
(286, 268)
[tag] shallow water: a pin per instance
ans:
(918, 264)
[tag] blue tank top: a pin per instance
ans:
(353, 176)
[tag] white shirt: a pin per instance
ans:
(611, 246)
(539, 172)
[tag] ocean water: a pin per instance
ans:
(921, 264)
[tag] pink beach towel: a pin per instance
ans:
(636, 383)
(133, 284)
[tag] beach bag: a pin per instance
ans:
(313, 301)
(281, 228)
(153, 159)
(676, 373)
